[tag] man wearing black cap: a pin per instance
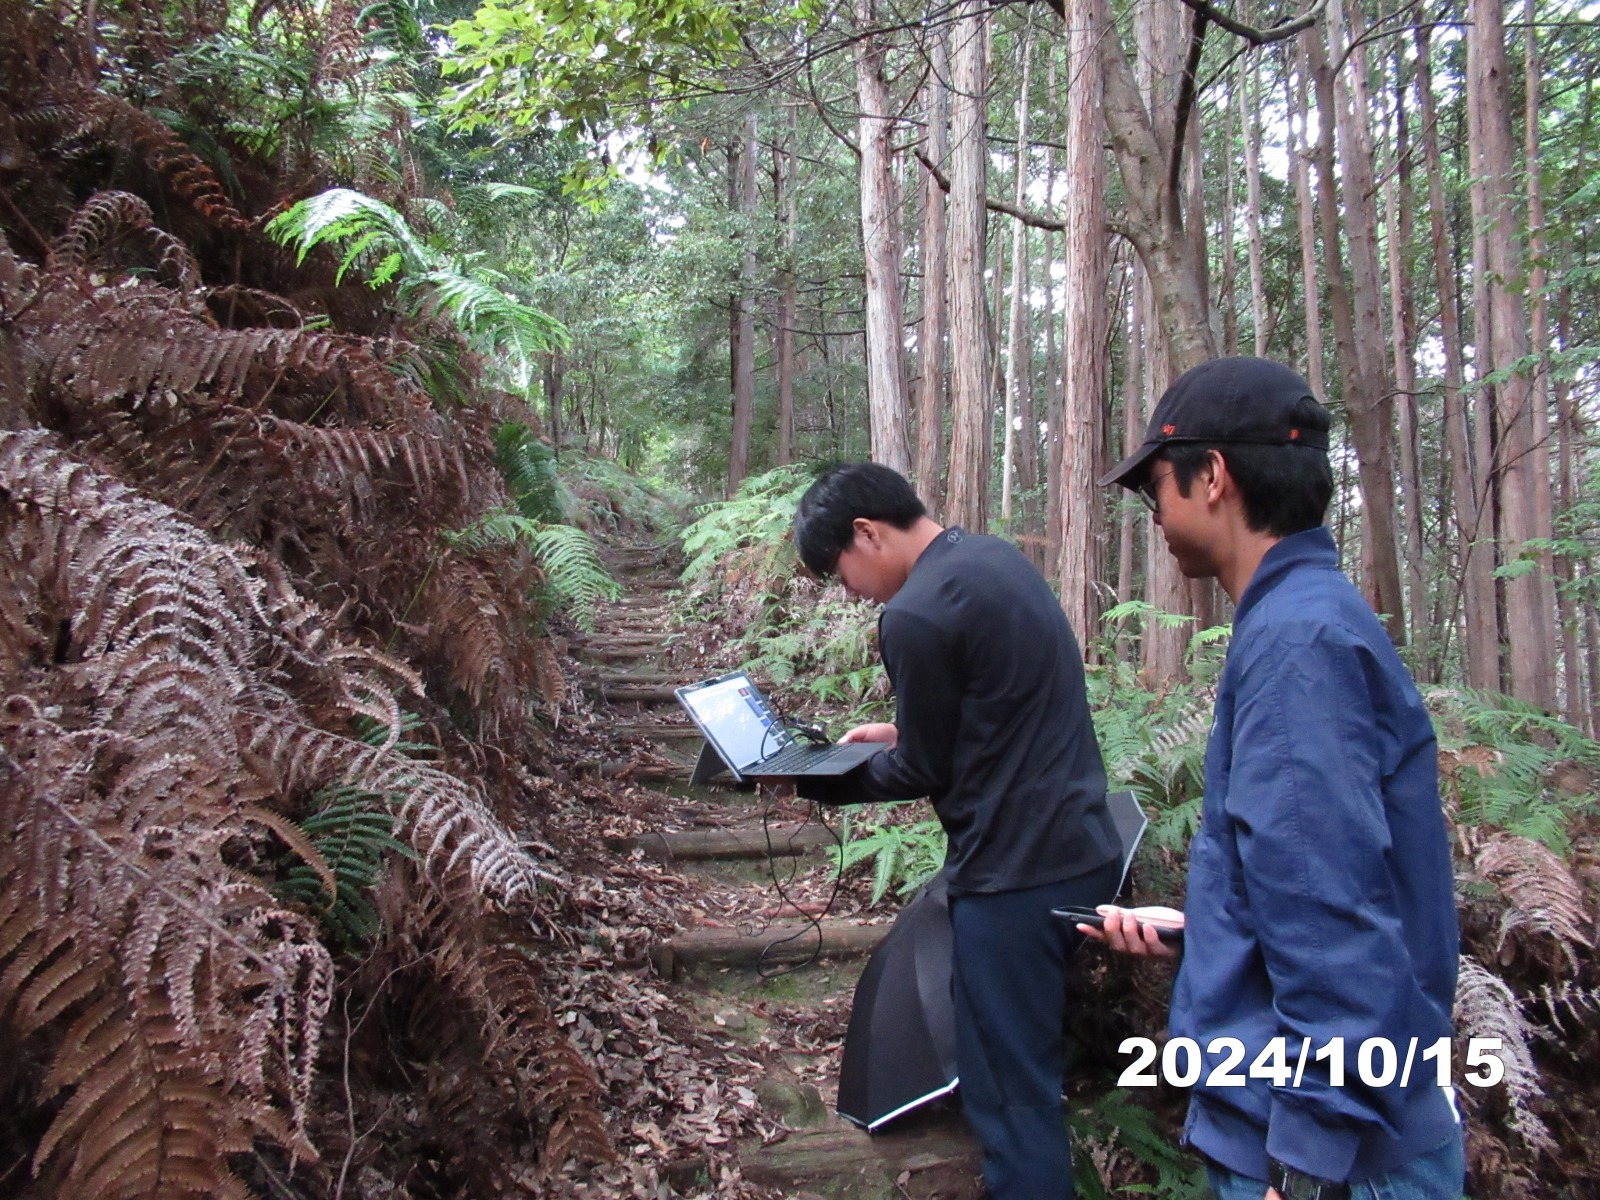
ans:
(1320, 920)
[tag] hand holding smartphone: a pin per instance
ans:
(1167, 922)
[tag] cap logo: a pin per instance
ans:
(1294, 435)
(1169, 430)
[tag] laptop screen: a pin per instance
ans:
(737, 719)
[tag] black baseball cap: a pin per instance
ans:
(1229, 400)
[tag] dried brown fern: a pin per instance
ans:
(455, 834)
(215, 420)
(167, 632)
(1541, 894)
(1486, 1007)
(190, 178)
(140, 956)
(107, 216)
(186, 1002)
(1568, 1002)
(176, 700)
(510, 1065)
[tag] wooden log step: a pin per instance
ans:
(625, 768)
(787, 840)
(780, 942)
(635, 637)
(642, 678)
(656, 731)
(647, 548)
(616, 654)
(919, 1157)
(637, 694)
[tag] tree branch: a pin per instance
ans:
(1186, 94)
(1258, 37)
(1035, 220)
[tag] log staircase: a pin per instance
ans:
(718, 968)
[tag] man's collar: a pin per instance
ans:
(1310, 546)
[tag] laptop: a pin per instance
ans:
(741, 726)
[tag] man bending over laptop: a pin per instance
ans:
(992, 724)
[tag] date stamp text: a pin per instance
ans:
(1376, 1062)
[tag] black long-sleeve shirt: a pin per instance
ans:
(993, 721)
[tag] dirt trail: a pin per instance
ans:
(762, 962)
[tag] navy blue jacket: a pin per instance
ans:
(1321, 906)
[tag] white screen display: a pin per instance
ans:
(737, 720)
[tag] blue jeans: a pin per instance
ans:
(1437, 1175)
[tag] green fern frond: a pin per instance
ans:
(365, 230)
(499, 323)
(903, 856)
(574, 574)
(1513, 751)
(529, 469)
(1115, 1120)
(573, 568)
(758, 515)
(393, 25)
(369, 233)
(353, 833)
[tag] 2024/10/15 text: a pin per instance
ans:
(1377, 1062)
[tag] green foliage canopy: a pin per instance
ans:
(539, 62)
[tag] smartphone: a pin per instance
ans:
(1088, 916)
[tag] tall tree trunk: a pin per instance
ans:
(1569, 433)
(742, 169)
(971, 436)
(1178, 332)
(1539, 400)
(935, 279)
(1578, 710)
(996, 359)
(1015, 377)
(1522, 458)
(1228, 299)
(1155, 214)
(1052, 358)
(1300, 157)
(555, 376)
(1085, 369)
(1250, 100)
(880, 243)
(1134, 363)
(1402, 337)
(788, 301)
(1475, 554)
(1358, 323)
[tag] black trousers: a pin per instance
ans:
(1011, 1006)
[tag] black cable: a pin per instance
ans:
(817, 735)
(813, 922)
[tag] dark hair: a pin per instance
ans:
(824, 522)
(1285, 489)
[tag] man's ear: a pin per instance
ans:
(1217, 478)
(866, 530)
